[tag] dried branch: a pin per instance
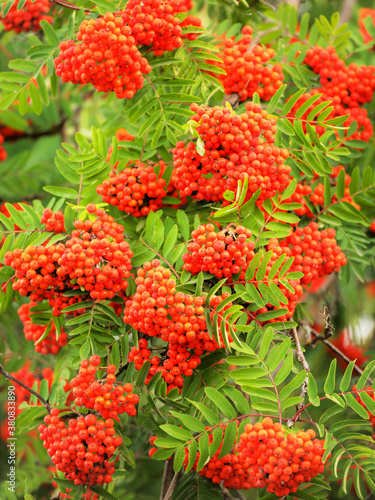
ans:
(10, 377)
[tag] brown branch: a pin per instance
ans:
(347, 10)
(172, 486)
(68, 5)
(336, 350)
(167, 479)
(10, 377)
(302, 360)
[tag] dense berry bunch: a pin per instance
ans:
(102, 395)
(315, 252)
(221, 253)
(152, 23)
(36, 270)
(107, 57)
(81, 449)
(50, 344)
(247, 69)
(96, 256)
(233, 147)
(136, 191)
(279, 462)
(157, 310)
(353, 85)
(28, 18)
(53, 221)
(176, 362)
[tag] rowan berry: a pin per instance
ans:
(28, 17)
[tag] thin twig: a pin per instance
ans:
(10, 377)
(167, 479)
(161, 257)
(68, 5)
(172, 486)
(321, 338)
(302, 360)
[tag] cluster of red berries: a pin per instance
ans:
(278, 462)
(221, 253)
(235, 147)
(102, 396)
(28, 18)
(50, 344)
(136, 191)
(53, 221)
(107, 57)
(153, 23)
(348, 87)
(315, 252)
(96, 257)
(247, 69)
(353, 85)
(178, 362)
(81, 449)
(157, 310)
(36, 270)
(371, 416)
(87, 495)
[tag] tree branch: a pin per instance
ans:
(10, 377)
(302, 360)
(68, 5)
(172, 486)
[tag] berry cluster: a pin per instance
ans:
(28, 17)
(315, 252)
(81, 449)
(348, 87)
(107, 57)
(221, 253)
(36, 270)
(247, 69)
(278, 462)
(53, 221)
(152, 23)
(102, 396)
(158, 310)
(233, 147)
(96, 257)
(50, 344)
(136, 191)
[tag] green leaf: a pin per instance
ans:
(183, 224)
(229, 439)
(170, 241)
(203, 450)
(293, 385)
(61, 192)
(272, 105)
(179, 459)
(312, 390)
(365, 375)
(36, 99)
(329, 384)
(249, 275)
(189, 421)
(285, 369)
(354, 405)
(50, 33)
(176, 432)
(291, 102)
(238, 398)
(346, 379)
(221, 402)
(278, 354)
(271, 314)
